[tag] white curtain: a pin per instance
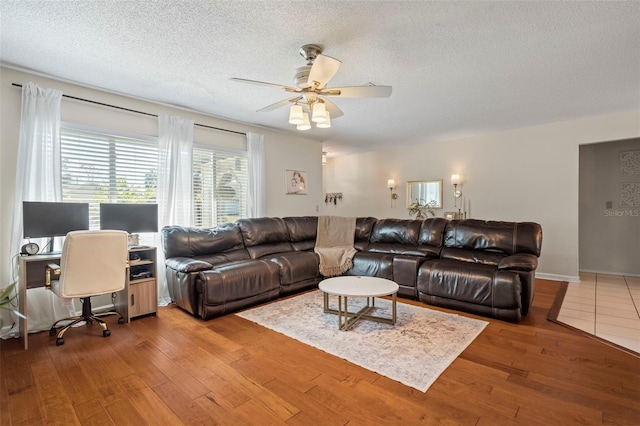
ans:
(256, 191)
(38, 179)
(174, 192)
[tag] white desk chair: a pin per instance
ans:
(92, 263)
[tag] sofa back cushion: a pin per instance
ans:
(494, 236)
(223, 242)
(431, 236)
(302, 231)
(264, 236)
(398, 236)
(364, 225)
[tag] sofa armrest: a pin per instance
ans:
(519, 262)
(187, 264)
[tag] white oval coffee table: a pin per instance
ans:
(348, 286)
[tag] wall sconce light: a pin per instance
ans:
(456, 180)
(391, 184)
(324, 158)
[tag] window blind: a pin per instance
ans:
(219, 186)
(107, 168)
(100, 167)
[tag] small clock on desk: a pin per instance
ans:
(29, 249)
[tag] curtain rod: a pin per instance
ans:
(137, 112)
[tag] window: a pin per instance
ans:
(105, 168)
(219, 186)
(100, 166)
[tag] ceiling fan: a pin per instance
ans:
(311, 91)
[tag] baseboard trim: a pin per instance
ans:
(555, 277)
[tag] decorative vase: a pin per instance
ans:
(419, 215)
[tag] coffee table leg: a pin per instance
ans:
(346, 315)
(347, 320)
(393, 308)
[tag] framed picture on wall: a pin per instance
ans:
(295, 182)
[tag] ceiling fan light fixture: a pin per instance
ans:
(326, 124)
(311, 96)
(305, 125)
(319, 113)
(296, 114)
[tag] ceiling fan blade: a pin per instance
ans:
(333, 109)
(322, 70)
(279, 104)
(262, 83)
(359, 92)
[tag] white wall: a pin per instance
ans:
(528, 174)
(282, 151)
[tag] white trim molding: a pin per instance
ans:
(555, 277)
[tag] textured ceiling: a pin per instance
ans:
(457, 68)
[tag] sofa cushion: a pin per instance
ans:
(238, 280)
(505, 237)
(431, 236)
(264, 236)
(396, 231)
(302, 231)
(179, 241)
(519, 262)
(398, 236)
(474, 256)
(372, 264)
(224, 257)
(470, 282)
(296, 266)
(364, 225)
(187, 264)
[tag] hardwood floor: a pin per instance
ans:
(174, 369)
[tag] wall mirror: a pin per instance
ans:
(425, 191)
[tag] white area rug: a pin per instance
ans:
(415, 351)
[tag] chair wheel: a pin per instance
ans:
(120, 320)
(106, 333)
(60, 341)
(53, 332)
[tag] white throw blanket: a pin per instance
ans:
(334, 244)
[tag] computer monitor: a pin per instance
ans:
(133, 218)
(53, 219)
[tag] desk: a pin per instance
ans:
(139, 296)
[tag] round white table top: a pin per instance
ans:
(358, 286)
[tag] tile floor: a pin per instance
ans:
(606, 306)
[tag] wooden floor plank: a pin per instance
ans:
(176, 369)
(53, 398)
(186, 409)
(152, 408)
(122, 412)
(91, 412)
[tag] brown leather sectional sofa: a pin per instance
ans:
(481, 267)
